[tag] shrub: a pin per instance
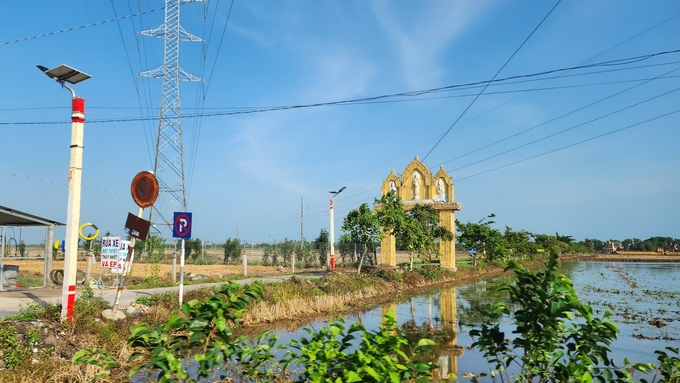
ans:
(549, 346)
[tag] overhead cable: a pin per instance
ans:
(494, 77)
(76, 28)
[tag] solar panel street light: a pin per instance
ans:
(63, 74)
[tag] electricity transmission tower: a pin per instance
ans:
(169, 160)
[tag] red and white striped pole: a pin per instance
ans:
(330, 262)
(75, 176)
(331, 259)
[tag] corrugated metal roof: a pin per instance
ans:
(13, 217)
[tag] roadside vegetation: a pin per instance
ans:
(557, 337)
(298, 297)
(199, 342)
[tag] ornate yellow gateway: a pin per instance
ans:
(418, 186)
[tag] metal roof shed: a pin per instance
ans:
(14, 218)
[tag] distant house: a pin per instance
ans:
(611, 247)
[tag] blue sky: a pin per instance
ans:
(527, 149)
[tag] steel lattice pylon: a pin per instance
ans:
(169, 159)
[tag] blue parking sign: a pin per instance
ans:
(181, 225)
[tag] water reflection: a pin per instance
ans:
(450, 350)
(441, 328)
(634, 292)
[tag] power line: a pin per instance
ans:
(80, 27)
(122, 193)
(562, 116)
(132, 72)
(59, 183)
(250, 110)
(569, 146)
(260, 108)
(494, 77)
(568, 129)
(196, 137)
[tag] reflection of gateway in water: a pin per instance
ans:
(447, 351)
(450, 350)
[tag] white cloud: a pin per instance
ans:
(420, 37)
(338, 73)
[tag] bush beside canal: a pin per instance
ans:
(335, 293)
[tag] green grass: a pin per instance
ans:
(152, 284)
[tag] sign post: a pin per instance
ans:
(181, 228)
(473, 253)
(144, 190)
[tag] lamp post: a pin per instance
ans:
(63, 74)
(330, 262)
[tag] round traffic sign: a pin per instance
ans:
(182, 225)
(144, 189)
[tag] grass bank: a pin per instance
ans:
(341, 292)
(44, 346)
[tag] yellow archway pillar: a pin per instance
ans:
(388, 250)
(447, 248)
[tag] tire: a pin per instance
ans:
(80, 277)
(57, 276)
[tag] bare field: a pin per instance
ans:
(143, 269)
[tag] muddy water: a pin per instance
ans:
(644, 299)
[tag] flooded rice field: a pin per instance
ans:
(644, 299)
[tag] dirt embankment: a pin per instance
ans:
(625, 257)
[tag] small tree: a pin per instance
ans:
(389, 210)
(519, 242)
(482, 236)
(192, 248)
(304, 254)
(422, 231)
(232, 251)
(154, 247)
(363, 227)
(416, 231)
(321, 246)
(270, 255)
(287, 248)
(22, 248)
(346, 248)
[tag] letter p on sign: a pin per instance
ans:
(181, 227)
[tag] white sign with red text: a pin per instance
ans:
(110, 246)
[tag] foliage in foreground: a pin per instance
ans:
(198, 346)
(549, 345)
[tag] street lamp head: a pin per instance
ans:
(337, 192)
(64, 73)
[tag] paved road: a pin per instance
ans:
(12, 301)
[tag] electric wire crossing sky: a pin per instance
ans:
(553, 116)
